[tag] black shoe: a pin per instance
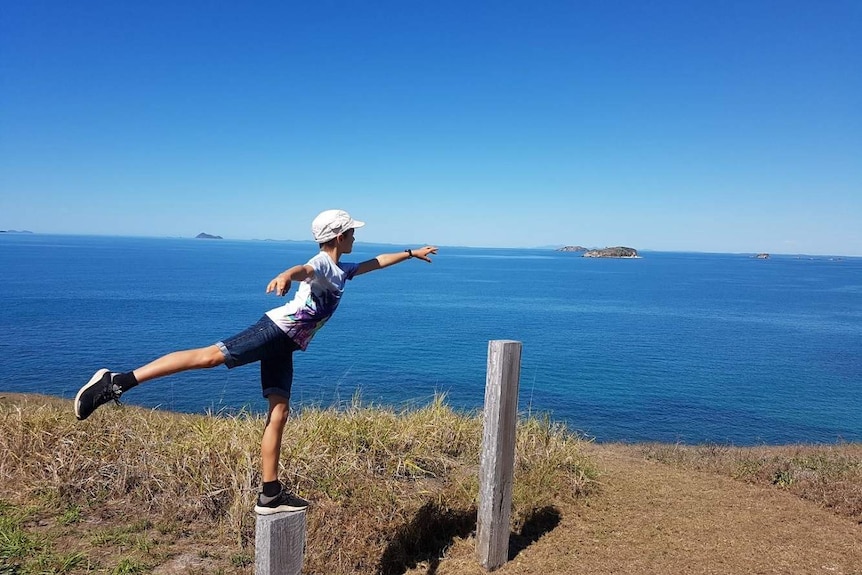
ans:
(284, 501)
(100, 389)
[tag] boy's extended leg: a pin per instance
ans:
(178, 361)
(274, 498)
(107, 386)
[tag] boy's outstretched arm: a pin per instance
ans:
(386, 260)
(280, 284)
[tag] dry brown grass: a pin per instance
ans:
(649, 517)
(134, 491)
(829, 475)
(130, 490)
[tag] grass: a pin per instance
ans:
(130, 489)
(22, 551)
(829, 475)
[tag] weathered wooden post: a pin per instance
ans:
(497, 461)
(279, 543)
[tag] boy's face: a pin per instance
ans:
(347, 241)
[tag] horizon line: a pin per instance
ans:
(548, 247)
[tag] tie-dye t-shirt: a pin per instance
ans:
(315, 300)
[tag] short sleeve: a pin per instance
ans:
(349, 269)
(321, 266)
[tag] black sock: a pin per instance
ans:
(271, 488)
(125, 381)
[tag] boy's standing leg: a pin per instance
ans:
(276, 380)
(270, 445)
(273, 497)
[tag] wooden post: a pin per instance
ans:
(497, 461)
(279, 543)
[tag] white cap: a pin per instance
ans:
(332, 223)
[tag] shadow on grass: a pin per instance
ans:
(434, 528)
(539, 522)
(425, 538)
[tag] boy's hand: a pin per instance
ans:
(422, 253)
(280, 285)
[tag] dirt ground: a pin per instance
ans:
(653, 518)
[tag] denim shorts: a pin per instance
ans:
(267, 343)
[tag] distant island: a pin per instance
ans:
(15, 232)
(615, 252)
(572, 249)
(204, 236)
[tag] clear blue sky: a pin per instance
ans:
(669, 125)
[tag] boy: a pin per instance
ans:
(271, 341)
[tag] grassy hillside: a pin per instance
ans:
(135, 491)
(130, 489)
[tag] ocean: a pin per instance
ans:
(672, 347)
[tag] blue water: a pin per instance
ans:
(670, 347)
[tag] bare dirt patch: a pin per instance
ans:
(649, 517)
